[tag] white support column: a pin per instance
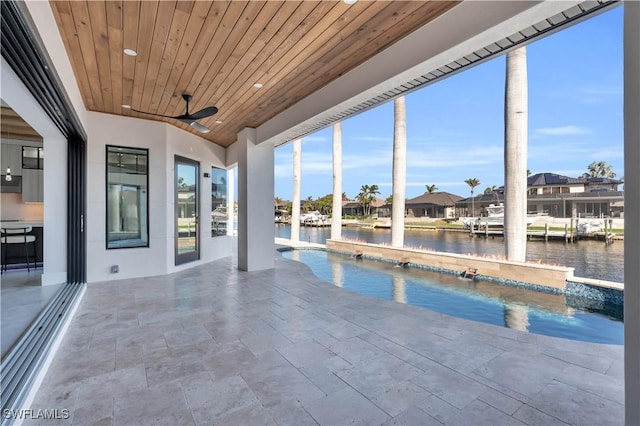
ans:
(256, 232)
(632, 211)
(515, 156)
(336, 211)
(231, 200)
(295, 203)
(399, 172)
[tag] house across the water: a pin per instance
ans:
(558, 196)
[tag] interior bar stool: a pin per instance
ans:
(17, 235)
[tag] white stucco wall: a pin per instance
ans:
(163, 142)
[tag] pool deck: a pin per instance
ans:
(213, 344)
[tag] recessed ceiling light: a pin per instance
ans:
(349, 1)
(218, 122)
(258, 85)
(130, 52)
(126, 106)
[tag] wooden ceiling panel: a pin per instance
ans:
(12, 126)
(216, 51)
(114, 31)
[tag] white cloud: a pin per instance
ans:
(608, 154)
(603, 91)
(373, 138)
(563, 130)
(451, 155)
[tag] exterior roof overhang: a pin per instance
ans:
(455, 36)
(467, 35)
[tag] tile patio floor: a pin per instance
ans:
(214, 345)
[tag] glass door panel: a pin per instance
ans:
(186, 212)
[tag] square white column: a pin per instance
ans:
(256, 230)
(632, 211)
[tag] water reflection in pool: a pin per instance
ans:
(511, 307)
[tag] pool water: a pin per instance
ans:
(511, 307)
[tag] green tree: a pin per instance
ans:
(431, 188)
(277, 202)
(472, 182)
(309, 204)
(324, 204)
(490, 189)
(366, 196)
(599, 169)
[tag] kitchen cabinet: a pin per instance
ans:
(11, 157)
(32, 186)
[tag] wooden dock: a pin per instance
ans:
(569, 235)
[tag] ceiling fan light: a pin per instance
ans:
(199, 127)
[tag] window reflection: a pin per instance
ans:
(127, 200)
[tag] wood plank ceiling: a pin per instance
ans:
(12, 126)
(216, 51)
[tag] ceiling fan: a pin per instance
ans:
(190, 119)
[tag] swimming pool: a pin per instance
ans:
(522, 309)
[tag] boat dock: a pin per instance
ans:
(546, 234)
(569, 234)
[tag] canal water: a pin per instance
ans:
(591, 259)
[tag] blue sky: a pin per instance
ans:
(455, 127)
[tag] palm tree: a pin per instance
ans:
(599, 169)
(366, 196)
(399, 171)
(472, 182)
(277, 201)
(295, 203)
(336, 209)
(490, 189)
(431, 188)
(309, 204)
(373, 191)
(515, 155)
(363, 198)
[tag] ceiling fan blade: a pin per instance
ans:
(205, 112)
(199, 127)
(150, 113)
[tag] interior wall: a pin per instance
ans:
(12, 208)
(163, 142)
(11, 205)
(14, 93)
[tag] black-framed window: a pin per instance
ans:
(32, 157)
(127, 223)
(219, 213)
